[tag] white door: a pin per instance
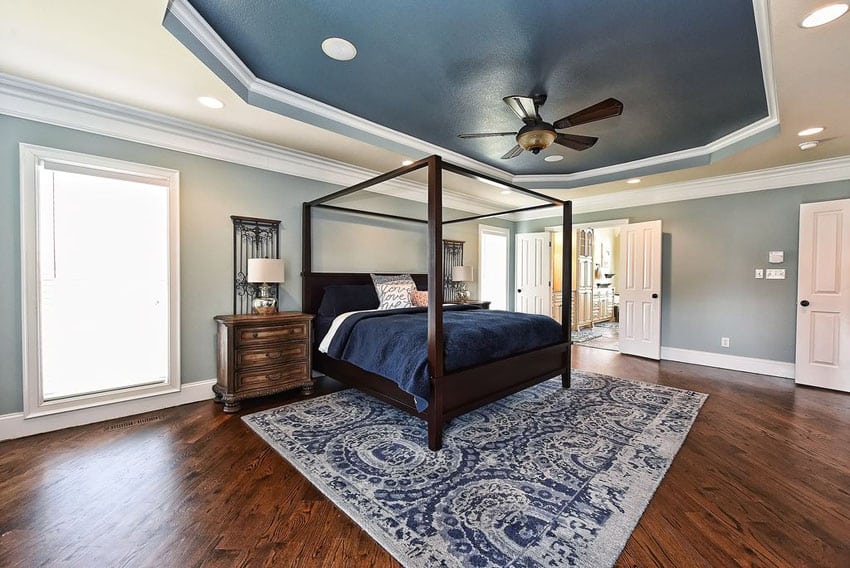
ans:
(823, 296)
(533, 282)
(640, 289)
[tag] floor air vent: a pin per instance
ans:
(136, 422)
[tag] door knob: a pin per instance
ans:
(804, 303)
(655, 296)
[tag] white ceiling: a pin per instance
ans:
(120, 51)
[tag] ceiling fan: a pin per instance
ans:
(538, 135)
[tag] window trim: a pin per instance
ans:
(31, 156)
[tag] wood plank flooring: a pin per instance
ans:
(762, 480)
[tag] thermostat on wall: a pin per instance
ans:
(776, 256)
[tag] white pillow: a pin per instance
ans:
(393, 290)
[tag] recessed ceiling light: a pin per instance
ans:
(825, 14)
(553, 158)
(506, 192)
(808, 145)
(633, 180)
(406, 162)
(210, 102)
(339, 49)
(811, 131)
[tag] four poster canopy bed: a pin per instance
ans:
(467, 357)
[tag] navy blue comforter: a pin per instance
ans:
(394, 343)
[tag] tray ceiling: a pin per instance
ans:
(688, 73)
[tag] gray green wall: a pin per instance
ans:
(710, 248)
(210, 191)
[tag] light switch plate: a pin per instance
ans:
(775, 274)
(759, 272)
(776, 256)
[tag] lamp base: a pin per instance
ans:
(462, 295)
(264, 304)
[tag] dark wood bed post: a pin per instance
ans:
(435, 301)
(306, 239)
(566, 284)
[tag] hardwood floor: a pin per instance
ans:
(762, 480)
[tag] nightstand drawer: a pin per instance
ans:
(258, 335)
(264, 356)
(296, 373)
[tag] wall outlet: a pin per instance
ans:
(724, 342)
(775, 274)
(759, 272)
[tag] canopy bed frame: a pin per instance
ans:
(459, 392)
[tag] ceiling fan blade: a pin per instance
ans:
(524, 107)
(486, 134)
(575, 142)
(605, 109)
(513, 152)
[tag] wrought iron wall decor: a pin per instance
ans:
(452, 256)
(252, 238)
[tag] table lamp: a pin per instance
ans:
(462, 274)
(263, 271)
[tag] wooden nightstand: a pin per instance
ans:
(260, 355)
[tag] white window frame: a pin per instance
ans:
(31, 157)
(503, 232)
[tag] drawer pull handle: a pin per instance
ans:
(272, 377)
(275, 355)
(254, 335)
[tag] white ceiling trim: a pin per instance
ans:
(34, 101)
(254, 87)
(42, 103)
(822, 171)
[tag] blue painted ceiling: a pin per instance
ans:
(687, 72)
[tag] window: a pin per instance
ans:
(100, 298)
(493, 265)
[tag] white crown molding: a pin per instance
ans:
(26, 99)
(34, 101)
(14, 425)
(821, 171)
(733, 362)
(272, 97)
(198, 27)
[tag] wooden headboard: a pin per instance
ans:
(313, 285)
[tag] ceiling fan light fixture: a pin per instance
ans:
(339, 49)
(535, 139)
(811, 131)
(808, 145)
(825, 14)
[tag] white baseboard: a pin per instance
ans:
(732, 362)
(15, 426)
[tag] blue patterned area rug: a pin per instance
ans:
(546, 477)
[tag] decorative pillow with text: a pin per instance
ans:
(394, 290)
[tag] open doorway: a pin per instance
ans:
(593, 289)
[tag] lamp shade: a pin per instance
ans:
(461, 274)
(265, 270)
